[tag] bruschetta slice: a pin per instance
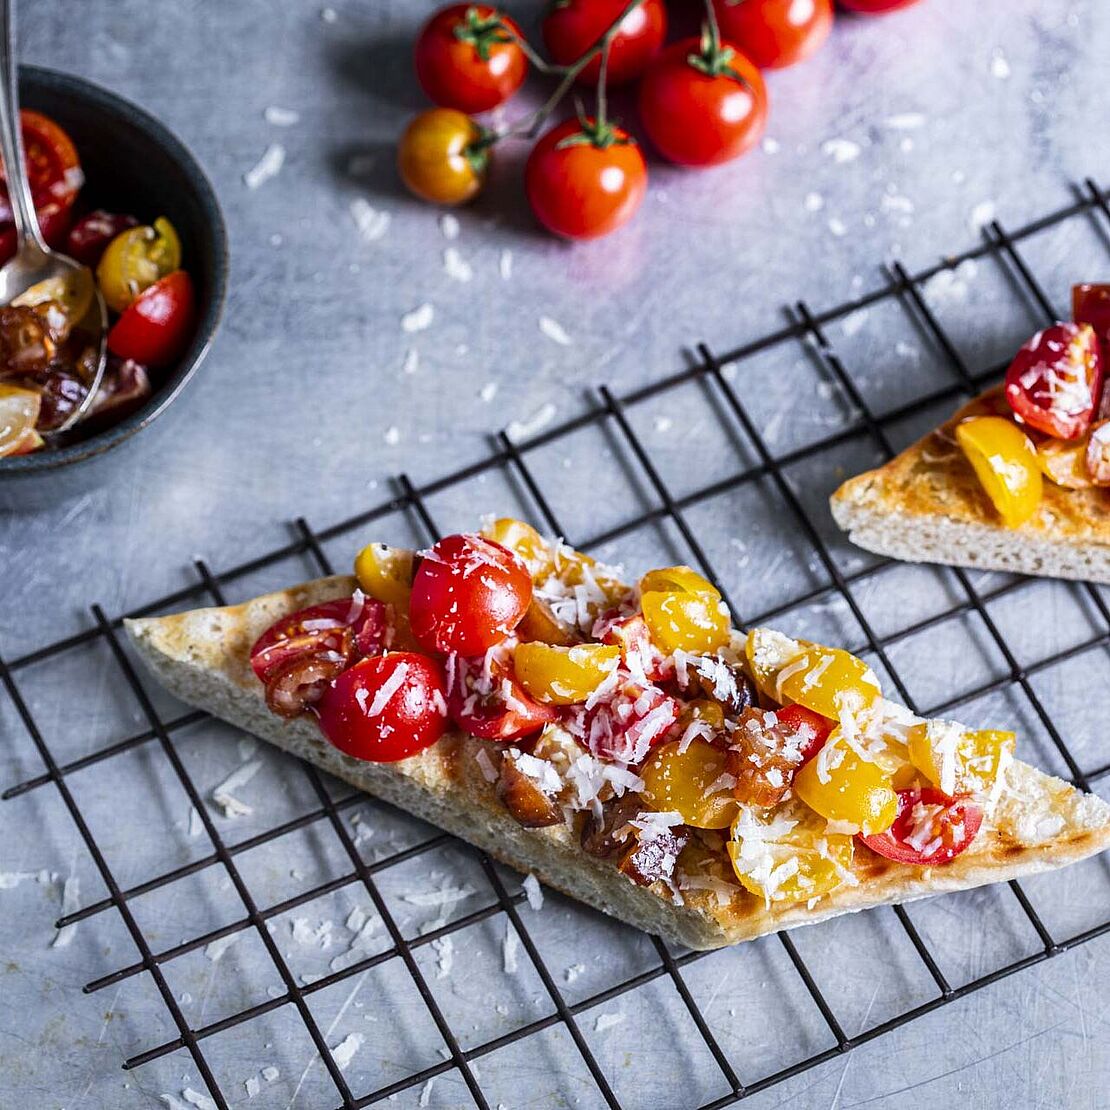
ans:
(624, 744)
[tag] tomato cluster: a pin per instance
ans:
(700, 101)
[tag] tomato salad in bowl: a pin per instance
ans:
(49, 335)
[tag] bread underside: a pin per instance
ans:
(927, 506)
(203, 658)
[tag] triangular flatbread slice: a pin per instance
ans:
(927, 506)
(1039, 822)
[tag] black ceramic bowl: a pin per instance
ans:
(132, 164)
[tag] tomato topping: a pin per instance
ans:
(1096, 459)
(385, 708)
(692, 780)
(585, 180)
(468, 594)
(564, 675)
(485, 699)
(625, 724)
(930, 828)
(468, 57)
(572, 27)
(442, 157)
(811, 729)
(135, 259)
(775, 33)
(683, 611)
(89, 237)
(1055, 382)
(1005, 462)
(841, 786)
(828, 681)
(1090, 304)
(157, 326)
(640, 656)
(701, 106)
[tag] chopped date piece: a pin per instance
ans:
(646, 854)
(652, 858)
(763, 757)
(125, 385)
(27, 340)
(61, 394)
(598, 834)
(301, 682)
(524, 796)
(725, 683)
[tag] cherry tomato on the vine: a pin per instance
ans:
(468, 57)
(442, 156)
(572, 27)
(584, 180)
(876, 7)
(775, 33)
(701, 105)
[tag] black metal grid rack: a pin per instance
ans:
(902, 288)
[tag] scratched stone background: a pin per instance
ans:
(899, 141)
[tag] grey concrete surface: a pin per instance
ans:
(898, 140)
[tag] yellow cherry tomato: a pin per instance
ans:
(828, 680)
(563, 675)
(135, 260)
(960, 760)
(525, 541)
(1005, 462)
(855, 790)
(892, 756)
(677, 580)
(686, 621)
(539, 624)
(1064, 462)
(703, 709)
(385, 573)
(442, 157)
(19, 412)
(786, 854)
(688, 782)
(767, 652)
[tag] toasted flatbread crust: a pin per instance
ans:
(203, 657)
(926, 505)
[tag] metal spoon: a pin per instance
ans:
(34, 261)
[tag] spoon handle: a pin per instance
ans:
(11, 134)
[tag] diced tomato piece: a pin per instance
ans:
(930, 828)
(796, 719)
(485, 699)
(626, 723)
(1055, 382)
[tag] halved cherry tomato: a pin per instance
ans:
(812, 729)
(1064, 462)
(828, 681)
(468, 57)
(930, 828)
(89, 237)
(1096, 459)
(468, 595)
(876, 7)
(700, 107)
(1054, 383)
(572, 27)
(627, 724)
(135, 259)
(385, 708)
(584, 181)
(841, 786)
(691, 781)
(1090, 304)
(157, 326)
(485, 699)
(442, 156)
(54, 171)
(525, 541)
(564, 675)
(19, 412)
(683, 611)
(631, 634)
(1005, 462)
(959, 760)
(775, 33)
(71, 293)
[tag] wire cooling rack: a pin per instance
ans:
(721, 377)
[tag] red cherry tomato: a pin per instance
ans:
(640, 656)
(54, 222)
(583, 181)
(468, 594)
(930, 828)
(626, 724)
(795, 718)
(699, 109)
(90, 235)
(1055, 381)
(572, 27)
(157, 326)
(467, 58)
(1090, 304)
(385, 708)
(876, 7)
(484, 699)
(775, 33)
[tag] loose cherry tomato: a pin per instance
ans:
(158, 325)
(572, 27)
(775, 33)
(135, 259)
(442, 156)
(19, 411)
(385, 708)
(876, 7)
(1005, 462)
(811, 728)
(702, 106)
(1090, 304)
(485, 699)
(89, 237)
(468, 57)
(54, 172)
(1055, 381)
(930, 828)
(585, 180)
(467, 595)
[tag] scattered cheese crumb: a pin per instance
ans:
(770, 146)
(411, 362)
(981, 215)
(573, 972)
(455, 266)
(195, 1098)
(445, 956)
(663, 424)
(488, 392)
(419, 318)
(607, 1021)
(840, 150)
(449, 225)
(281, 117)
(814, 202)
(505, 264)
(196, 825)
(328, 15)
(837, 226)
(71, 900)
(441, 897)
(509, 948)
(269, 165)
(218, 947)
(854, 321)
(1000, 68)
(905, 121)
(270, 1073)
(344, 1052)
(372, 223)
(554, 331)
(253, 1086)
(533, 891)
(222, 795)
(392, 435)
(523, 429)
(426, 1092)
